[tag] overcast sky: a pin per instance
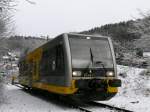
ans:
(53, 17)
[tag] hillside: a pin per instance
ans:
(143, 43)
(20, 43)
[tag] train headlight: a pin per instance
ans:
(110, 74)
(76, 73)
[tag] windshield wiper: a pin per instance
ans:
(91, 56)
(95, 62)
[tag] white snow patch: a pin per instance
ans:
(135, 91)
(146, 54)
(5, 57)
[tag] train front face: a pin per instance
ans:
(93, 67)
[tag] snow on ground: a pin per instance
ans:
(135, 91)
(17, 100)
(146, 54)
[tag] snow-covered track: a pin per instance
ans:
(91, 106)
(18, 85)
(82, 106)
(99, 105)
(22, 87)
(109, 107)
(82, 109)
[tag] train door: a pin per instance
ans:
(34, 69)
(35, 74)
(30, 72)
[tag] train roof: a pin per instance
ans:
(99, 36)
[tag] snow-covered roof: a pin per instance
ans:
(146, 54)
(5, 57)
(11, 54)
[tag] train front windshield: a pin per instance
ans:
(90, 52)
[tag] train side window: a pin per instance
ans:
(59, 58)
(52, 62)
(48, 58)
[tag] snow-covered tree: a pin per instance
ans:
(6, 7)
(142, 26)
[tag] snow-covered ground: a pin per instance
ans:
(146, 54)
(17, 100)
(135, 91)
(134, 95)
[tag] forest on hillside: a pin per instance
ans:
(128, 35)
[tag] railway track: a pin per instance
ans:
(82, 109)
(18, 85)
(100, 105)
(109, 107)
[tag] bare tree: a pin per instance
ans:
(6, 6)
(31, 2)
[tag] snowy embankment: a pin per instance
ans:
(135, 91)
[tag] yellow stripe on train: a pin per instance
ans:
(56, 89)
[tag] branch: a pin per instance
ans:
(31, 2)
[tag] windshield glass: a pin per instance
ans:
(88, 50)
